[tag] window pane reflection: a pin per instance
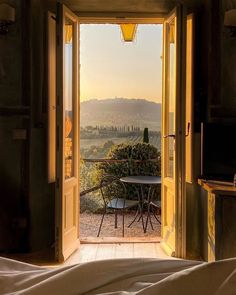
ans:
(171, 97)
(68, 99)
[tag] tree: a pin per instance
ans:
(145, 135)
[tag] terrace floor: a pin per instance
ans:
(89, 225)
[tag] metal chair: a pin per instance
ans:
(153, 205)
(110, 187)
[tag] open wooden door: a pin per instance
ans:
(67, 156)
(173, 131)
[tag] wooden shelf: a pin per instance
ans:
(218, 187)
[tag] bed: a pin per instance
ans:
(120, 276)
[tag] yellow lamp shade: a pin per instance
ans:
(128, 31)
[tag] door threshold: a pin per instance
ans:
(119, 240)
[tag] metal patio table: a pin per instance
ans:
(141, 181)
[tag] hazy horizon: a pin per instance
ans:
(120, 98)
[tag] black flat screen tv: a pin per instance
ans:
(218, 151)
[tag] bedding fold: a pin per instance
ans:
(120, 277)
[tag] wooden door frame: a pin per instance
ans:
(179, 169)
(61, 183)
(109, 18)
(181, 95)
(167, 181)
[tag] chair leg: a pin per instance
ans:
(115, 218)
(123, 222)
(145, 229)
(135, 217)
(150, 219)
(140, 215)
(141, 218)
(155, 216)
(101, 223)
(141, 199)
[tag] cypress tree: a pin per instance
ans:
(145, 135)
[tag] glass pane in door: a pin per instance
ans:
(68, 99)
(171, 93)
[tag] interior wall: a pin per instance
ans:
(13, 222)
(215, 100)
(215, 95)
(194, 212)
(27, 203)
(193, 206)
(41, 194)
(228, 72)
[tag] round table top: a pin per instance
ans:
(141, 179)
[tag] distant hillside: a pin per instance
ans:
(120, 112)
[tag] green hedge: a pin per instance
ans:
(138, 151)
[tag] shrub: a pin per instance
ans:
(91, 203)
(138, 151)
(88, 175)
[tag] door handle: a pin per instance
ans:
(169, 136)
(188, 130)
(173, 135)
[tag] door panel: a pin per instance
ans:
(51, 98)
(67, 198)
(172, 143)
(189, 96)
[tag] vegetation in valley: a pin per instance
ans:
(117, 129)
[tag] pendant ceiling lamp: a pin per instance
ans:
(128, 32)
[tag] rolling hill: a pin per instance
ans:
(120, 112)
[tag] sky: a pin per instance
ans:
(112, 68)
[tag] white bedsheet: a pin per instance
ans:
(121, 276)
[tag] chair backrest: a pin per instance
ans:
(112, 188)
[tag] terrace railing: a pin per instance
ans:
(110, 161)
